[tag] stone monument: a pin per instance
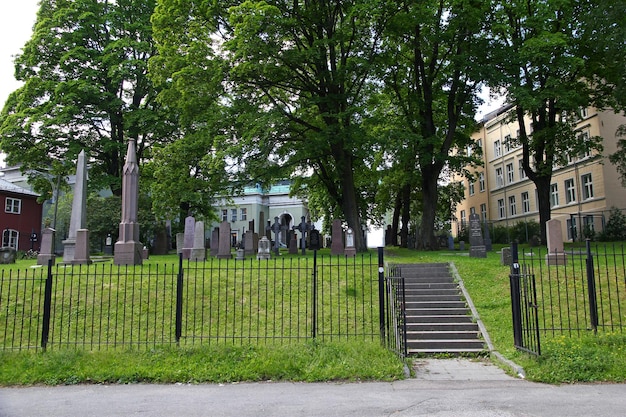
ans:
(81, 255)
(128, 248)
(198, 252)
(293, 244)
(276, 228)
(350, 249)
(554, 237)
(336, 246)
(78, 218)
(46, 251)
(188, 239)
(215, 242)
(304, 228)
(264, 248)
(224, 241)
(477, 245)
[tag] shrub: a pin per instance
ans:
(615, 228)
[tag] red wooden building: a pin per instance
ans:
(20, 217)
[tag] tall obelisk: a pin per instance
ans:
(78, 220)
(128, 249)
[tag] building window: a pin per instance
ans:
(571, 228)
(463, 217)
(589, 225)
(472, 210)
(501, 211)
(224, 215)
(497, 148)
(499, 178)
(525, 202)
(481, 181)
(585, 153)
(13, 205)
(570, 191)
(554, 195)
(10, 238)
(483, 211)
(510, 177)
(508, 145)
(471, 188)
(244, 214)
(233, 215)
(522, 173)
(587, 186)
(512, 206)
(584, 113)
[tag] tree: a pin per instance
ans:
(297, 76)
(435, 54)
(549, 74)
(85, 87)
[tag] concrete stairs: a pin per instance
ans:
(437, 317)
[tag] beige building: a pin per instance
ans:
(581, 194)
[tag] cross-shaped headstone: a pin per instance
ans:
(303, 227)
(276, 228)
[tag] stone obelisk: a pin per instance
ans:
(128, 248)
(78, 219)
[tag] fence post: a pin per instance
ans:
(591, 288)
(516, 307)
(47, 305)
(314, 318)
(381, 292)
(179, 299)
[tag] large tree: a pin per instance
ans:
(298, 75)
(435, 61)
(549, 73)
(85, 87)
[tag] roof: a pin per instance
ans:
(12, 188)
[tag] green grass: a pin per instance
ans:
(311, 361)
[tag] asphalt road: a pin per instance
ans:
(438, 390)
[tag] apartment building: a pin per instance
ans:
(582, 192)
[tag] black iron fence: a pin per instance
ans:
(283, 300)
(574, 292)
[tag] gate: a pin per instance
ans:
(524, 306)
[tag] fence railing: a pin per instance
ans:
(282, 300)
(580, 291)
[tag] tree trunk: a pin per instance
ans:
(395, 222)
(426, 239)
(350, 206)
(543, 200)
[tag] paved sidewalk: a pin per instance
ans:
(441, 388)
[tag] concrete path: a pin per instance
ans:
(441, 388)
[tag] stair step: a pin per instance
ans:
(440, 318)
(432, 298)
(442, 335)
(443, 327)
(437, 311)
(448, 350)
(444, 344)
(436, 305)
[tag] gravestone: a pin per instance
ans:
(462, 245)
(224, 241)
(108, 245)
(160, 242)
(315, 240)
(293, 244)
(128, 248)
(264, 248)
(7, 255)
(81, 255)
(78, 218)
(336, 246)
(198, 252)
(276, 228)
(215, 241)
(505, 257)
(250, 242)
(450, 242)
(180, 241)
(46, 251)
(554, 237)
(190, 229)
(304, 228)
(350, 249)
(477, 245)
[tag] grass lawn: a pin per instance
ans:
(587, 358)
